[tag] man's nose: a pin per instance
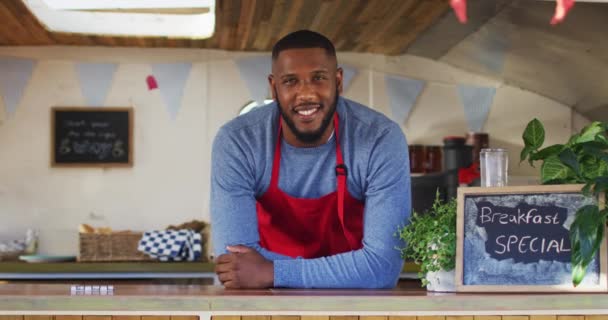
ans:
(306, 90)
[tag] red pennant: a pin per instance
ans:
(561, 10)
(151, 83)
(460, 9)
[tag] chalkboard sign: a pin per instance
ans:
(92, 137)
(517, 239)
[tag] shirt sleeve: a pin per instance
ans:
(233, 204)
(387, 206)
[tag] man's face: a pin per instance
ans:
(306, 84)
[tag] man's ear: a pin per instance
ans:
(339, 78)
(271, 85)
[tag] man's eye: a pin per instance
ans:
(318, 78)
(289, 81)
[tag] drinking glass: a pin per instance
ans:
(494, 167)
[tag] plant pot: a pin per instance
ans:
(441, 281)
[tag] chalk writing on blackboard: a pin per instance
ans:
(525, 233)
(92, 136)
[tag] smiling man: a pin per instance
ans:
(308, 191)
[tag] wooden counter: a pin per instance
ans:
(210, 301)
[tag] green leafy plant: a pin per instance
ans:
(583, 159)
(431, 238)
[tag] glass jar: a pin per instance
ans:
(432, 159)
(417, 158)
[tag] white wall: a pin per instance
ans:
(168, 183)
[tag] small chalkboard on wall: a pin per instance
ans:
(91, 137)
(517, 239)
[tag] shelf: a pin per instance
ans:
(105, 267)
(105, 270)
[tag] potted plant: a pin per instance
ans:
(583, 160)
(430, 240)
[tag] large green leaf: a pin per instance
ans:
(553, 170)
(601, 139)
(527, 150)
(590, 132)
(578, 273)
(534, 135)
(596, 149)
(592, 167)
(586, 234)
(568, 157)
(544, 153)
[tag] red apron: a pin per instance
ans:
(310, 228)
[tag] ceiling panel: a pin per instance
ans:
(381, 26)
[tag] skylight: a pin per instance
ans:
(194, 19)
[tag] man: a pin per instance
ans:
(308, 191)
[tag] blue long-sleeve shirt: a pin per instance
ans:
(375, 152)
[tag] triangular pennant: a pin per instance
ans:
(402, 94)
(15, 73)
(477, 102)
(348, 73)
(171, 79)
(255, 71)
(95, 80)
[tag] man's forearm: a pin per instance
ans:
(355, 269)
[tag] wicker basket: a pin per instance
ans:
(115, 246)
(119, 246)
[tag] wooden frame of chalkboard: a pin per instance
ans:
(516, 239)
(92, 137)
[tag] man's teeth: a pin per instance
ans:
(307, 112)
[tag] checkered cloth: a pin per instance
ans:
(171, 245)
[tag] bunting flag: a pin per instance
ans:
(561, 10)
(477, 102)
(402, 94)
(95, 80)
(348, 73)
(255, 71)
(15, 73)
(151, 81)
(171, 80)
(460, 9)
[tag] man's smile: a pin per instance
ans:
(307, 113)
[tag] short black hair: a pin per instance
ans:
(302, 39)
